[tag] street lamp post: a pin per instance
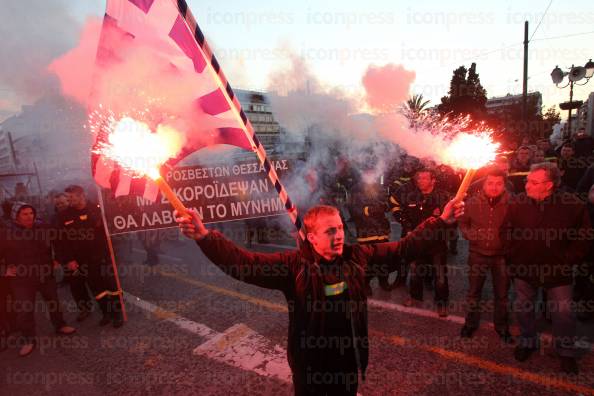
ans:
(575, 74)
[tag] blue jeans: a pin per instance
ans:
(559, 304)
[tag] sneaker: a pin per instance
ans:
(82, 315)
(569, 365)
(27, 349)
(506, 336)
(105, 320)
(521, 354)
(467, 331)
(66, 330)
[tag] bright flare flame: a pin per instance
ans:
(133, 146)
(470, 151)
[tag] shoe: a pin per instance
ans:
(569, 365)
(82, 315)
(66, 330)
(442, 312)
(409, 302)
(105, 320)
(118, 321)
(521, 354)
(27, 349)
(506, 336)
(467, 332)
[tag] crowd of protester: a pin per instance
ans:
(33, 249)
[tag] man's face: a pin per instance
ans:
(539, 156)
(425, 181)
(26, 218)
(327, 238)
(566, 152)
(538, 186)
(61, 203)
(493, 186)
(543, 145)
(524, 156)
(591, 196)
(77, 201)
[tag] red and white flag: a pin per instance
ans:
(152, 55)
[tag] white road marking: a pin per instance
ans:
(238, 346)
(242, 347)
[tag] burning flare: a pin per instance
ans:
(133, 145)
(470, 152)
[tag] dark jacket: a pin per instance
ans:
(28, 250)
(415, 207)
(301, 276)
(368, 209)
(82, 235)
(543, 240)
(481, 223)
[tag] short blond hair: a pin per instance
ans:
(313, 214)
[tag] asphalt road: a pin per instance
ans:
(193, 330)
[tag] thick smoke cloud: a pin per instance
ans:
(33, 33)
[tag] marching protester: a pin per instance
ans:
(61, 203)
(419, 201)
(85, 252)
(545, 233)
(483, 216)
(24, 247)
(368, 209)
(324, 284)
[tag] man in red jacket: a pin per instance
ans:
(546, 232)
(324, 284)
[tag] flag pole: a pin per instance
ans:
(233, 103)
(119, 291)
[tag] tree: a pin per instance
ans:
(466, 94)
(415, 104)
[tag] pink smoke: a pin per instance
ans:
(387, 87)
(75, 68)
(129, 77)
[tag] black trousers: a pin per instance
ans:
(435, 266)
(25, 291)
(7, 313)
(584, 290)
(97, 275)
(479, 265)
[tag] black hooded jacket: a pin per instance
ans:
(302, 276)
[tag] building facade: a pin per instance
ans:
(256, 107)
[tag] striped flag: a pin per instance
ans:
(162, 25)
(170, 30)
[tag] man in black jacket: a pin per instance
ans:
(545, 233)
(83, 248)
(419, 201)
(323, 283)
(25, 250)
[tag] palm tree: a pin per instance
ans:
(415, 105)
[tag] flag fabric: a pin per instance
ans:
(184, 44)
(140, 21)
